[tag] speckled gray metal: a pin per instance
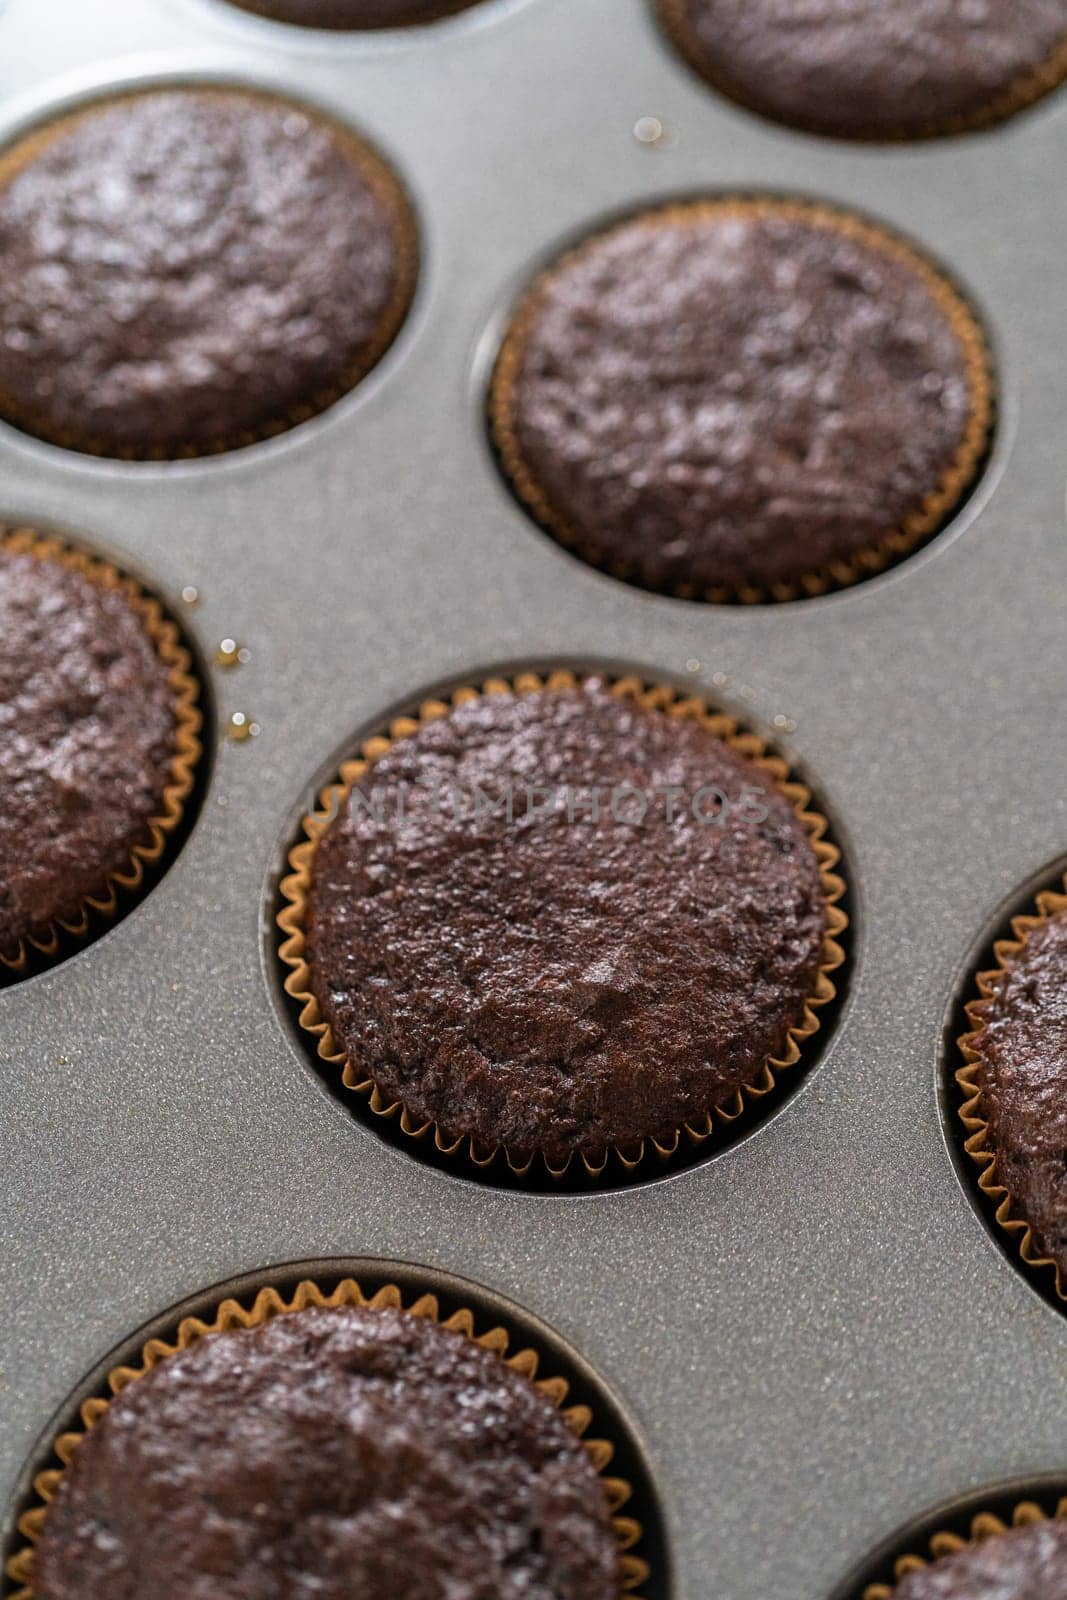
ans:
(816, 1333)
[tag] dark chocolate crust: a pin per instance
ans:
(724, 397)
(356, 14)
(1028, 1563)
(1021, 1050)
(348, 1454)
(875, 69)
(187, 270)
(87, 737)
(560, 985)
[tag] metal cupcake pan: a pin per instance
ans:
(814, 1333)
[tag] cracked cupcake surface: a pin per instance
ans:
(1021, 1053)
(875, 69)
(740, 395)
(349, 1454)
(576, 976)
(188, 270)
(88, 736)
(1027, 1563)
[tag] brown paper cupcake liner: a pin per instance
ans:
(896, 543)
(977, 1144)
(984, 1525)
(660, 697)
(187, 746)
(378, 174)
(1029, 88)
(269, 1303)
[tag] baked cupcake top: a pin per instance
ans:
(356, 14)
(741, 397)
(593, 970)
(88, 738)
(1028, 1563)
(343, 1453)
(1021, 1052)
(188, 270)
(875, 69)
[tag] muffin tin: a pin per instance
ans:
(811, 1332)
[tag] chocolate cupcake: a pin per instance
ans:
(562, 920)
(336, 1447)
(897, 69)
(1017, 1565)
(354, 15)
(98, 740)
(187, 270)
(1027, 1561)
(1015, 1085)
(742, 399)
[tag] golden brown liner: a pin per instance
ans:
(660, 697)
(897, 542)
(268, 1303)
(978, 1145)
(187, 747)
(372, 166)
(1027, 90)
(984, 1525)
